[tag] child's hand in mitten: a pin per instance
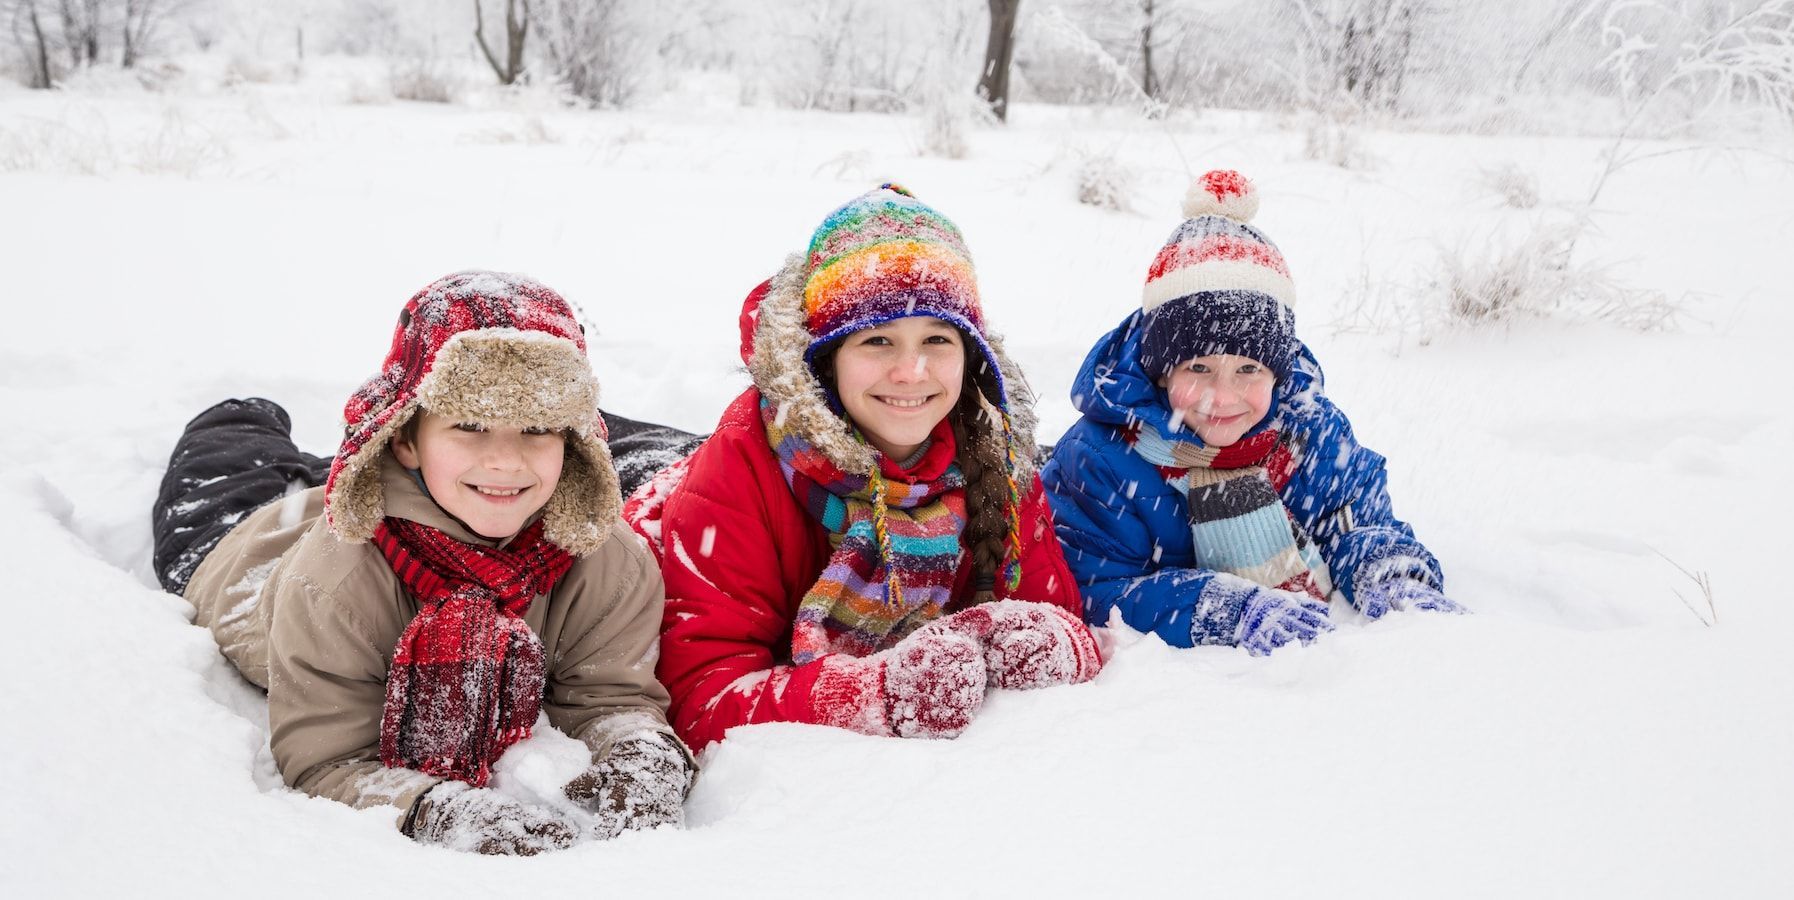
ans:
(640, 783)
(462, 817)
(1232, 610)
(929, 685)
(1029, 645)
(1404, 594)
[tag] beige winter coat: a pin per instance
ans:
(313, 620)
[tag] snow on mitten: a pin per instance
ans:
(928, 686)
(1404, 594)
(1233, 611)
(1029, 645)
(640, 783)
(459, 816)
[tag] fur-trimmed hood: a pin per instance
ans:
(776, 343)
(487, 347)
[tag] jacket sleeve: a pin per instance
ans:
(1339, 494)
(728, 611)
(326, 692)
(601, 686)
(1111, 549)
(1045, 576)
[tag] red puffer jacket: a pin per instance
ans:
(739, 553)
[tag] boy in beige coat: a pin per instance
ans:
(461, 568)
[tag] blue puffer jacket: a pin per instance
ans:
(1126, 532)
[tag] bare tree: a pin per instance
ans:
(35, 47)
(591, 45)
(141, 19)
(81, 30)
(1360, 48)
(999, 50)
(516, 32)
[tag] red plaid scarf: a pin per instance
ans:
(467, 673)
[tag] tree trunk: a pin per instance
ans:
(132, 11)
(91, 31)
(1149, 80)
(71, 33)
(993, 84)
(43, 47)
(516, 31)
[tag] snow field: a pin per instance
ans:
(1584, 734)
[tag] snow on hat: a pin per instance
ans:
(1219, 285)
(884, 255)
(483, 347)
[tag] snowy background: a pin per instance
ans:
(1594, 443)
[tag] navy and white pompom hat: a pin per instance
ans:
(1219, 286)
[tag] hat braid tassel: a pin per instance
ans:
(1012, 567)
(882, 533)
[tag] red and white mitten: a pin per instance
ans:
(929, 686)
(1028, 644)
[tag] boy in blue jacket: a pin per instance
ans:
(1210, 493)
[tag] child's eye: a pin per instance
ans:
(941, 339)
(1249, 369)
(877, 340)
(1197, 368)
(473, 427)
(537, 430)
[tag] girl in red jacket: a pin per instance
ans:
(863, 542)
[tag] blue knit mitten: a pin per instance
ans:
(1404, 594)
(1232, 611)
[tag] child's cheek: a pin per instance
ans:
(1191, 398)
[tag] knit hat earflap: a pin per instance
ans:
(1219, 286)
(482, 347)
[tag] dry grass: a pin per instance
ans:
(1516, 187)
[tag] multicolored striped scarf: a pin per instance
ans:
(1237, 520)
(467, 673)
(896, 548)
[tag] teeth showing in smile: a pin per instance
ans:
(905, 404)
(495, 492)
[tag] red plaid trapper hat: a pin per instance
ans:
(484, 347)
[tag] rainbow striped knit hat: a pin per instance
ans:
(886, 255)
(1219, 285)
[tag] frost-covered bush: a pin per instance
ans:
(948, 119)
(602, 50)
(1536, 276)
(522, 129)
(1334, 140)
(178, 146)
(426, 80)
(246, 69)
(82, 144)
(1104, 181)
(1515, 186)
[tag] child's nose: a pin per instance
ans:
(504, 452)
(911, 366)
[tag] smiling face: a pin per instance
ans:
(898, 380)
(1220, 397)
(491, 477)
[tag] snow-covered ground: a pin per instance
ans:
(1586, 733)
